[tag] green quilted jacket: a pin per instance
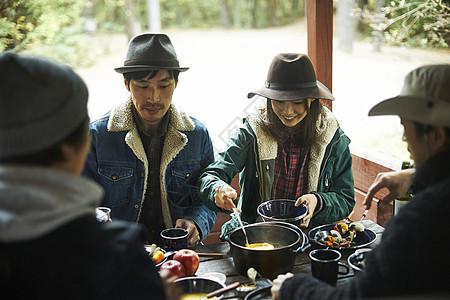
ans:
(252, 154)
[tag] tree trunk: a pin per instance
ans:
(252, 8)
(154, 16)
(237, 14)
(226, 22)
(346, 24)
(378, 33)
(130, 17)
(274, 13)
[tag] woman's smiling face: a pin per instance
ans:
(290, 113)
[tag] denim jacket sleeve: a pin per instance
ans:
(113, 165)
(181, 177)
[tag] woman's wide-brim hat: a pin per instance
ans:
(291, 77)
(150, 51)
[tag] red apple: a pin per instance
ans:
(173, 268)
(189, 259)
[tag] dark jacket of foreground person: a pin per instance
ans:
(412, 260)
(79, 258)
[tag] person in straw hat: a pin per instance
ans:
(147, 153)
(51, 244)
(411, 260)
(292, 149)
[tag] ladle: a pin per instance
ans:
(242, 225)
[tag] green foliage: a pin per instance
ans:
(201, 13)
(111, 14)
(16, 24)
(71, 46)
(192, 14)
(50, 28)
(412, 23)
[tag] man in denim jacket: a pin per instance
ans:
(146, 153)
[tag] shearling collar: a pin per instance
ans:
(326, 127)
(121, 118)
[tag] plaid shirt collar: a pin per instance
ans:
(291, 169)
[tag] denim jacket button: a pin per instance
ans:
(188, 175)
(136, 206)
(114, 177)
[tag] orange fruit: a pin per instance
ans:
(158, 257)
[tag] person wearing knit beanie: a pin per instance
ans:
(51, 243)
(42, 102)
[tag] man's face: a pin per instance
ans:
(289, 112)
(416, 146)
(152, 97)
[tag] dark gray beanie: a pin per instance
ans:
(41, 103)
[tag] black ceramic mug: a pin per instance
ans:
(325, 265)
(174, 239)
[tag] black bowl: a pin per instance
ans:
(199, 285)
(362, 239)
(282, 210)
(357, 258)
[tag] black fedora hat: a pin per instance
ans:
(150, 51)
(291, 77)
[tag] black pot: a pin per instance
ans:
(287, 239)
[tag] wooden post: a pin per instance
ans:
(319, 16)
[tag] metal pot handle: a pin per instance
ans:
(305, 241)
(225, 236)
(305, 244)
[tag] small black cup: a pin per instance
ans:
(174, 239)
(325, 265)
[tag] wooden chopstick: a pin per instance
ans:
(211, 254)
(223, 290)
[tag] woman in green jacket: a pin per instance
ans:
(292, 149)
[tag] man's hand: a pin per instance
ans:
(397, 184)
(224, 196)
(277, 283)
(310, 200)
(193, 234)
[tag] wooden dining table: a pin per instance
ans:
(223, 262)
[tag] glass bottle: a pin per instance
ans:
(399, 202)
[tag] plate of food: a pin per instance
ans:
(156, 253)
(342, 235)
